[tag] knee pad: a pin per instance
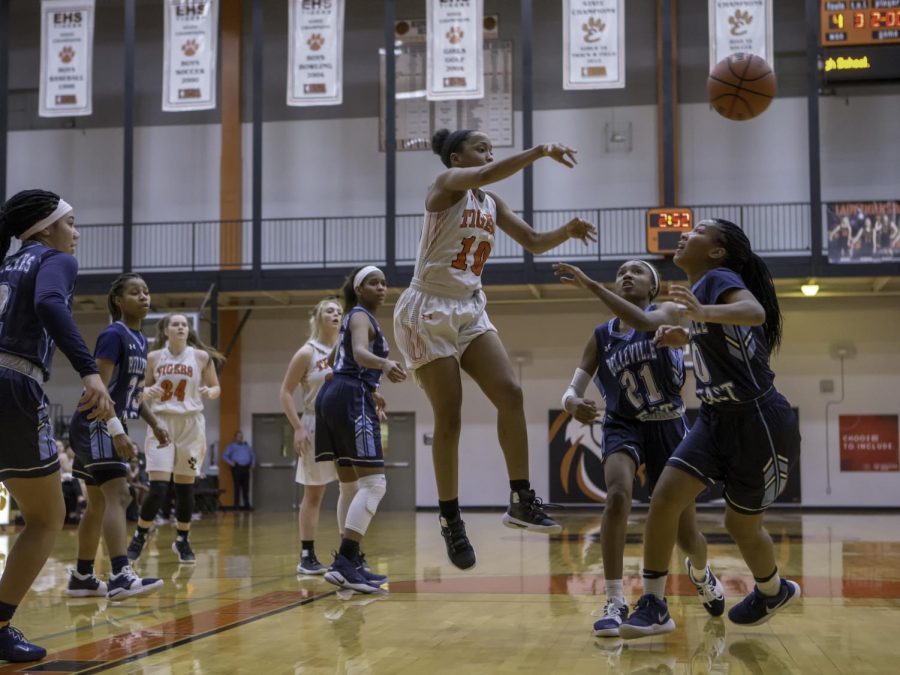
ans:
(154, 499)
(184, 502)
(374, 487)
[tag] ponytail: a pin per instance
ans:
(21, 211)
(755, 275)
(193, 339)
(348, 293)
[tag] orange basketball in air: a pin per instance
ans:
(741, 86)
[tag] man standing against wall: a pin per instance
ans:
(239, 456)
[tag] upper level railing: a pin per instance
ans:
(318, 243)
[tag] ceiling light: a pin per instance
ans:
(810, 290)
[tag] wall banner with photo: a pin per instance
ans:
(740, 26)
(576, 470)
(593, 44)
(869, 442)
(67, 54)
(190, 32)
(455, 61)
(315, 53)
(863, 232)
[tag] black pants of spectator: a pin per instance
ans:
(241, 477)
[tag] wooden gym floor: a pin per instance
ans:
(525, 608)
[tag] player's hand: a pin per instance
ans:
(394, 371)
(682, 295)
(209, 392)
(380, 406)
(582, 409)
(162, 435)
(560, 153)
(152, 393)
(124, 447)
(302, 441)
(96, 399)
(581, 229)
(571, 275)
(671, 336)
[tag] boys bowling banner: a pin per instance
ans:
(67, 48)
(189, 54)
(593, 44)
(740, 26)
(576, 470)
(315, 52)
(869, 442)
(455, 53)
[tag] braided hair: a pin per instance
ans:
(753, 271)
(116, 290)
(21, 211)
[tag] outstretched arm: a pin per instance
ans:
(539, 242)
(737, 307)
(470, 178)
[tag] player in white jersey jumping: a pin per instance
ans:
(441, 325)
(181, 370)
(308, 369)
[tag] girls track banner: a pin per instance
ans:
(67, 50)
(316, 49)
(189, 54)
(740, 26)
(593, 44)
(455, 54)
(576, 468)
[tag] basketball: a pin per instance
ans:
(741, 86)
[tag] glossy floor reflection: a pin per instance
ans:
(525, 608)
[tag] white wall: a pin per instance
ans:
(811, 328)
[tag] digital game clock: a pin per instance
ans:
(860, 40)
(665, 227)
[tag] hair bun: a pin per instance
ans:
(437, 141)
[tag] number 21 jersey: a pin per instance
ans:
(179, 377)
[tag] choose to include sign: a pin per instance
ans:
(869, 443)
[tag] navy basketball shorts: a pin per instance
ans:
(27, 446)
(648, 443)
(347, 428)
(96, 459)
(750, 447)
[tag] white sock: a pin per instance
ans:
(694, 570)
(772, 587)
(615, 591)
(345, 497)
(656, 586)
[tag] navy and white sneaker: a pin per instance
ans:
(613, 616)
(126, 584)
(757, 608)
(136, 546)
(309, 564)
(85, 586)
(182, 548)
(345, 574)
(526, 512)
(363, 568)
(14, 647)
(650, 617)
(710, 590)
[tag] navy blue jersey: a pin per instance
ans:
(36, 288)
(345, 364)
(731, 363)
(637, 379)
(128, 350)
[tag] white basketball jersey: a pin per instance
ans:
(455, 246)
(316, 374)
(179, 377)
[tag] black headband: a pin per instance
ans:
(452, 144)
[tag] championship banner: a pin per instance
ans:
(315, 52)
(740, 26)
(869, 442)
(863, 232)
(593, 44)
(189, 54)
(67, 47)
(455, 61)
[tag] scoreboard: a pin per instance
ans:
(860, 40)
(665, 227)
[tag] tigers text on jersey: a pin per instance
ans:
(455, 246)
(345, 364)
(316, 374)
(731, 363)
(179, 377)
(637, 379)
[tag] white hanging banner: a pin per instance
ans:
(593, 44)
(315, 52)
(455, 61)
(67, 47)
(740, 26)
(189, 54)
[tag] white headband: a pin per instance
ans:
(654, 274)
(362, 274)
(61, 209)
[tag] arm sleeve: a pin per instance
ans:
(55, 280)
(715, 283)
